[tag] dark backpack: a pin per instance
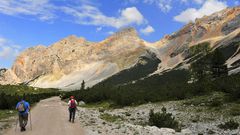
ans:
(21, 107)
(73, 104)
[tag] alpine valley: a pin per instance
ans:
(186, 83)
(68, 62)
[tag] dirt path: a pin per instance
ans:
(50, 117)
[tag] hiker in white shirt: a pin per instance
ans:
(72, 106)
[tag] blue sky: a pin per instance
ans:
(26, 23)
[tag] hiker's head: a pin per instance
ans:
(21, 98)
(72, 97)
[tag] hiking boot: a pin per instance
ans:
(22, 129)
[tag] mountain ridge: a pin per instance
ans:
(67, 62)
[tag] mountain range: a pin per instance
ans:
(66, 63)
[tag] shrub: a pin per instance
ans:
(11, 94)
(216, 102)
(235, 110)
(229, 125)
(163, 119)
(110, 118)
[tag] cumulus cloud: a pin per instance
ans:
(194, 1)
(41, 9)
(110, 33)
(164, 5)
(207, 8)
(237, 3)
(8, 50)
(199, 1)
(81, 12)
(90, 15)
(148, 30)
(99, 29)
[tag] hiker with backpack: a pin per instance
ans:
(72, 106)
(23, 108)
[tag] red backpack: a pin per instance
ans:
(73, 103)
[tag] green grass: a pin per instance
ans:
(110, 118)
(235, 110)
(4, 114)
(214, 99)
(104, 105)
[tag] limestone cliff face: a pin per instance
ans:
(67, 62)
(218, 29)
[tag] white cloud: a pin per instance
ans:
(207, 8)
(89, 15)
(8, 50)
(192, 1)
(199, 1)
(184, 1)
(164, 5)
(146, 31)
(99, 29)
(131, 1)
(41, 9)
(2, 41)
(82, 12)
(131, 15)
(110, 33)
(237, 3)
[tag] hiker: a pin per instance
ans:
(72, 104)
(23, 109)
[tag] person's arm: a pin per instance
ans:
(17, 106)
(29, 107)
(69, 103)
(76, 102)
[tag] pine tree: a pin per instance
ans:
(218, 66)
(83, 85)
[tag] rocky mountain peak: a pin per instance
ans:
(215, 25)
(71, 40)
(126, 32)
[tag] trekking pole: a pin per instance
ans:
(30, 120)
(17, 119)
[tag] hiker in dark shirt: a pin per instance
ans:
(72, 106)
(23, 109)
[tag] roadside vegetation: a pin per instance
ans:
(163, 120)
(110, 118)
(229, 125)
(11, 94)
(6, 113)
